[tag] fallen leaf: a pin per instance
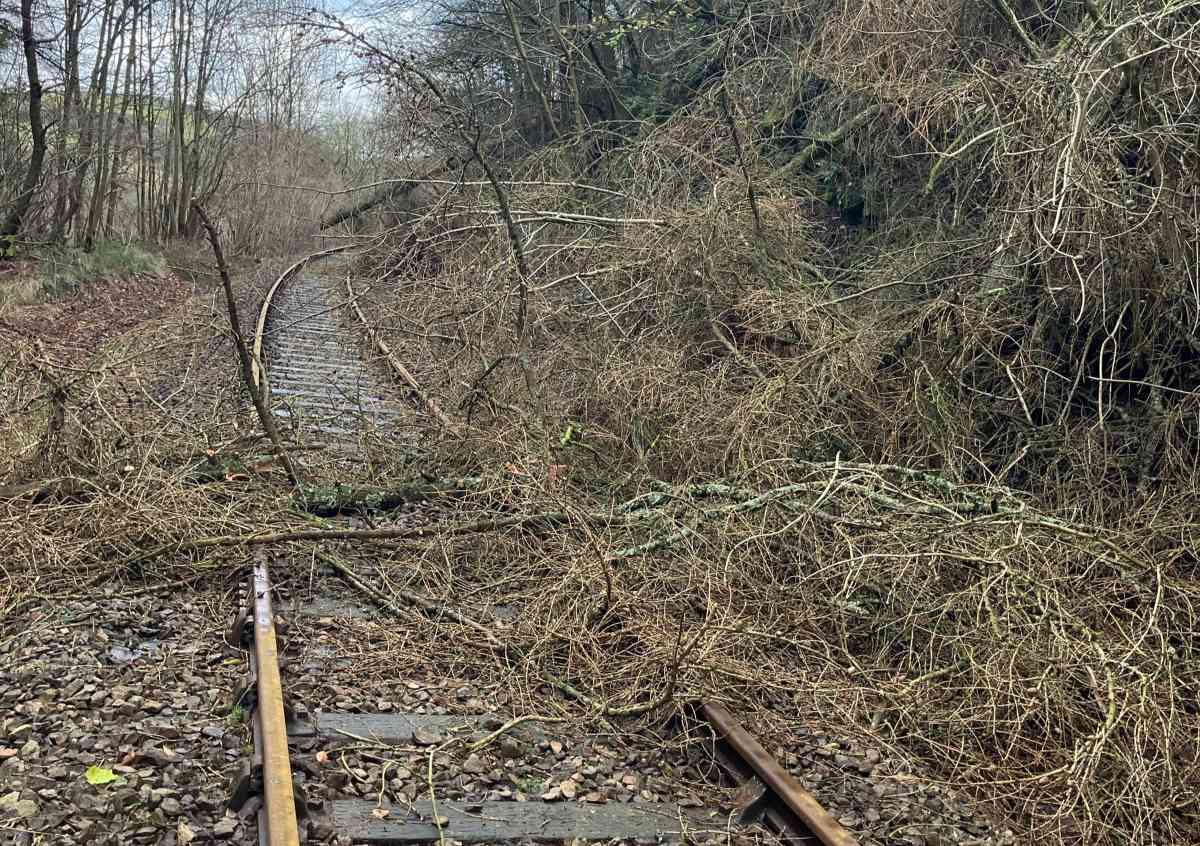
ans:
(380, 813)
(129, 758)
(322, 757)
(440, 821)
(184, 834)
(99, 775)
(568, 789)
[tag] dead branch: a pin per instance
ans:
(257, 391)
(395, 363)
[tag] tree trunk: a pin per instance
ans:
(37, 130)
(103, 164)
(72, 97)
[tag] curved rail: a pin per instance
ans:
(261, 326)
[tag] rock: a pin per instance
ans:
(122, 655)
(224, 828)
(319, 830)
(510, 748)
(171, 807)
(184, 834)
(23, 808)
(162, 756)
(474, 765)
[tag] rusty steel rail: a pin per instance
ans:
(277, 822)
(260, 327)
(768, 790)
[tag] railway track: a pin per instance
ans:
(309, 359)
(317, 379)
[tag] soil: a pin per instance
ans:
(100, 311)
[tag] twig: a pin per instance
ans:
(510, 725)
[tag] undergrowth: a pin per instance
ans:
(49, 273)
(925, 481)
(65, 269)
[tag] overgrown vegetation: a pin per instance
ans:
(887, 310)
(840, 361)
(50, 273)
(63, 270)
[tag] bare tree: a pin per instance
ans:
(11, 226)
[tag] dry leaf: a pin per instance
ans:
(322, 757)
(568, 789)
(380, 813)
(184, 834)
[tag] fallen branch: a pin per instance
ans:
(431, 608)
(521, 521)
(509, 726)
(395, 363)
(436, 610)
(239, 341)
(391, 190)
(827, 141)
(331, 502)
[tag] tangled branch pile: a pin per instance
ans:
(892, 307)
